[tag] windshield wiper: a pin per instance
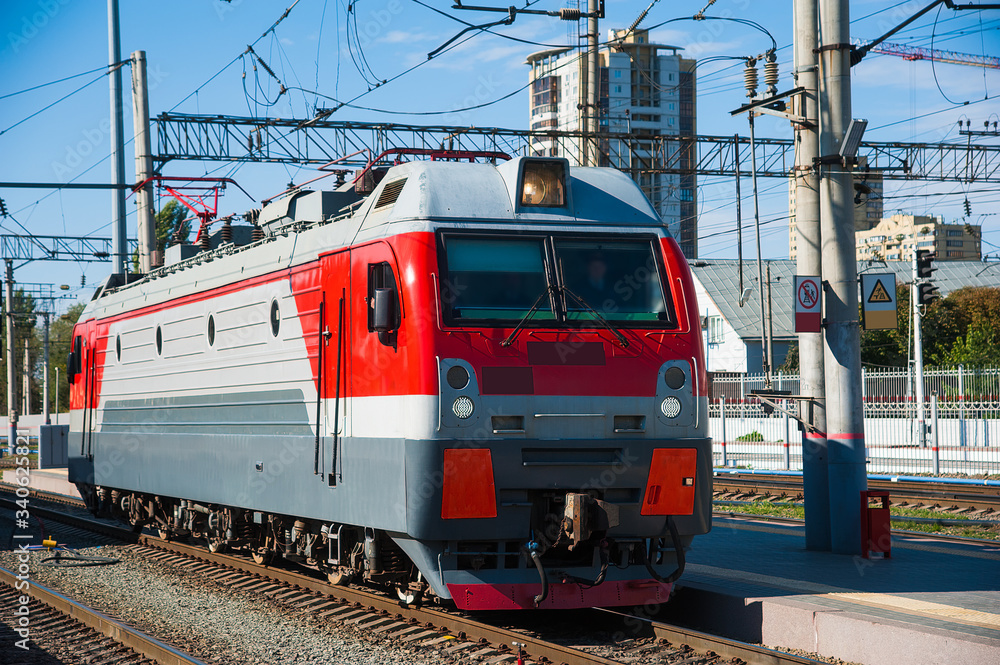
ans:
(527, 317)
(600, 319)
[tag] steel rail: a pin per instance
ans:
(465, 627)
(704, 642)
(142, 644)
(972, 496)
(459, 625)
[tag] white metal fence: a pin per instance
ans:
(961, 415)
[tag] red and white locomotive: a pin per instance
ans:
(479, 383)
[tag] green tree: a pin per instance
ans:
(966, 329)
(963, 328)
(980, 347)
(889, 348)
(172, 219)
(24, 325)
(60, 343)
(791, 363)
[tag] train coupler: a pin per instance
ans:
(583, 515)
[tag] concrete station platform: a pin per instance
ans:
(932, 602)
(45, 480)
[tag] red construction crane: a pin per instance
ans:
(917, 53)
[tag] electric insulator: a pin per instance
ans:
(569, 13)
(205, 239)
(257, 233)
(771, 77)
(968, 208)
(83, 280)
(227, 230)
(750, 77)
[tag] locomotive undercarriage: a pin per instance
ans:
(344, 553)
(569, 531)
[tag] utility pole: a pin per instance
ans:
(844, 412)
(815, 479)
(148, 257)
(594, 87)
(118, 227)
(11, 358)
(45, 381)
(27, 378)
(918, 359)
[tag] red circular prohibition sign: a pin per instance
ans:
(808, 293)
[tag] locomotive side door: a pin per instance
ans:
(336, 271)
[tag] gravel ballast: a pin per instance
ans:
(209, 620)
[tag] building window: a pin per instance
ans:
(545, 92)
(713, 326)
(955, 232)
(618, 88)
(953, 243)
(618, 73)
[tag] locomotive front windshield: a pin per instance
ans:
(564, 279)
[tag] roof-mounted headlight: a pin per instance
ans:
(543, 183)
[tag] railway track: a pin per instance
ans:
(57, 629)
(972, 500)
(486, 638)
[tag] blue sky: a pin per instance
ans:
(316, 48)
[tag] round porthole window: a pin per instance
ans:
(211, 330)
(275, 318)
(159, 341)
(118, 348)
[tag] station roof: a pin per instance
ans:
(721, 281)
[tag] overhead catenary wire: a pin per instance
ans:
(45, 85)
(61, 99)
(274, 25)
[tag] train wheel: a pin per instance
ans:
(164, 534)
(410, 593)
(216, 545)
(339, 577)
(262, 557)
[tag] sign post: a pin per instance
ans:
(878, 297)
(808, 313)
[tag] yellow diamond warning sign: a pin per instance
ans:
(879, 294)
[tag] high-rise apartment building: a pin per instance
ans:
(895, 238)
(646, 91)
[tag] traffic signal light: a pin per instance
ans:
(925, 259)
(927, 293)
